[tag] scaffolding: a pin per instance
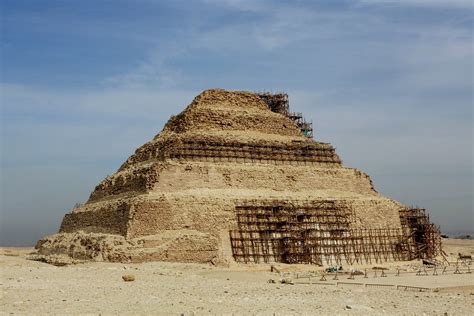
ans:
(306, 127)
(422, 237)
(312, 154)
(315, 232)
(279, 103)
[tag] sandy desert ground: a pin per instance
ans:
(30, 287)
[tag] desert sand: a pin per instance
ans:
(163, 288)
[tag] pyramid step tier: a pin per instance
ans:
(308, 153)
(292, 152)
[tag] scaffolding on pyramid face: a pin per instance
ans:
(319, 232)
(423, 238)
(279, 103)
(310, 154)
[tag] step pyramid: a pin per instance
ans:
(236, 177)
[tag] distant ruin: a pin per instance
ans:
(237, 177)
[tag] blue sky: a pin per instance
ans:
(83, 83)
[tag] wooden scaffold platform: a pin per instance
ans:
(317, 232)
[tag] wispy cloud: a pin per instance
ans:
(154, 71)
(453, 4)
(22, 102)
(242, 5)
(359, 41)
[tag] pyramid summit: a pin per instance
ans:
(237, 177)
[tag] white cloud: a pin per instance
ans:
(153, 71)
(40, 126)
(241, 5)
(29, 102)
(283, 27)
(454, 4)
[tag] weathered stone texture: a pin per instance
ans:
(174, 199)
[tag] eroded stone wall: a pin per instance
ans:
(108, 220)
(195, 175)
(204, 214)
(375, 213)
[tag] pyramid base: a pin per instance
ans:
(173, 246)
